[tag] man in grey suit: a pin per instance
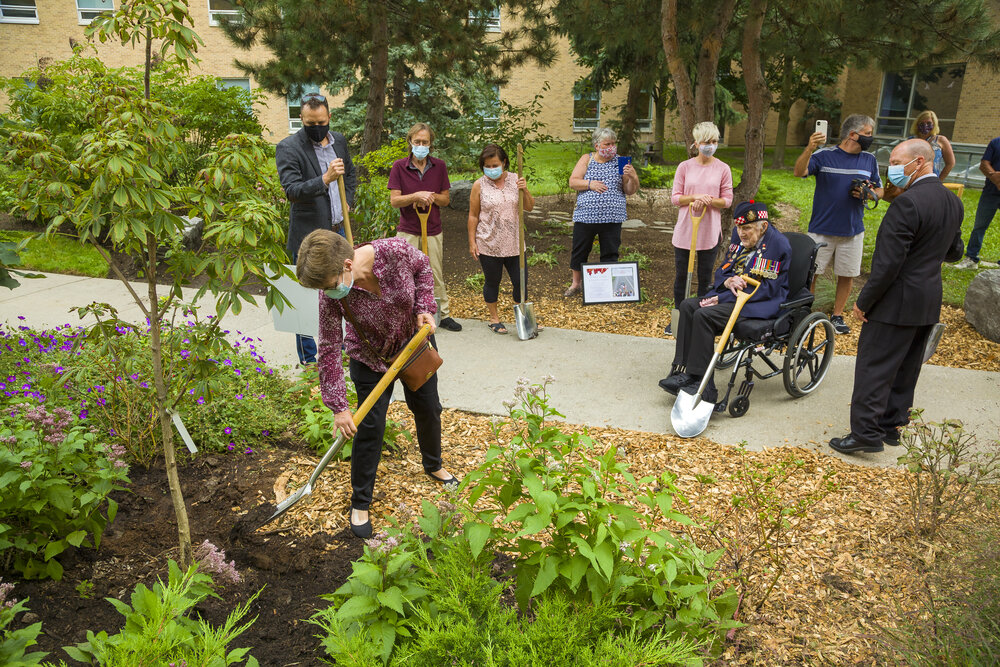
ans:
(309, 163)
(901, 301)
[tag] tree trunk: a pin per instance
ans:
(678, 69)
(758, 103)
(784, 112)
(626, 141)
(149, 58)
(166, 428)
(398, 85)
(377, 77)
(708, 64)
(659, 125)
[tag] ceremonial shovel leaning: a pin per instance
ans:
(343, 207)
(423, 216)
(690, 414)
(675, 314)
(362, 411)
(524, 312)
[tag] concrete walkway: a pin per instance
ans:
(601, 379)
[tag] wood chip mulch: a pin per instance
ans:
(852, 566)
(961, 346)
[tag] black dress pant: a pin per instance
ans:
(885, 377)
(704, 271)
(696, 334)
(367, 449)
(493, 272)
(608, 234)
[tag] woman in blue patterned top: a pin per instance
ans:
(600, 204)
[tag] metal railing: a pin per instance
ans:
(967, 159)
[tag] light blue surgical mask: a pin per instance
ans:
(493, 173)
(420, 152)
(708, 150)
(341, 290)
(897, 174)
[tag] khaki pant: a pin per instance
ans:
(435, 250)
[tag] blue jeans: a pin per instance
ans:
(987, 209)
(305, 346)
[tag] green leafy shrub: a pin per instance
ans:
(56, 477)
(548, 258)
(476, 281)
(159, 628)
(373, 217)
(14, 643)
(654, 176)
(557, 505)
(632, 255)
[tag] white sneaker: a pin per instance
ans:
(966, 263)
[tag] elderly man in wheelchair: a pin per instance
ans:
(769, 321)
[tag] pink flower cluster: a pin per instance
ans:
(212, 561)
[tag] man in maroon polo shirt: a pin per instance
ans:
(422, 180)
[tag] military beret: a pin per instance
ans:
(749, 211)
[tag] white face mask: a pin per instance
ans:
(708, 150)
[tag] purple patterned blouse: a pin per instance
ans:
(388, 321)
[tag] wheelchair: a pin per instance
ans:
(802, 339)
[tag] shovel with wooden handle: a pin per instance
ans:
(524, 312)
(690, 414)
(343, 207)
(423, 216)
(675, 314)
(362, 411)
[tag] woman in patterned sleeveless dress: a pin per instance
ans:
(926, 127)
(600, 203)
(493, 227)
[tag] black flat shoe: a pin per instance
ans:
(850, 445)
(362, 530)
(674, 382)
(450, 325)
(891, 438)
(450, 483)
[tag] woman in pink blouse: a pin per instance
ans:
(493, 227)
(701, 182)
(389, 288)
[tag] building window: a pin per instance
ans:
(235, 83)
(88, 10)
(295, 104)
(644, 118)
(586, 107)
(222, 10)
(490, 18)
(18, 11)
(492, 112)
(908, 93)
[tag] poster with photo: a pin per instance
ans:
(616, 282)
(302, 316)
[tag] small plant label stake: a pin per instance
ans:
(185, 436)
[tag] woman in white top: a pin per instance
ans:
(493, 227)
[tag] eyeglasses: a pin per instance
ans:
(309, 97)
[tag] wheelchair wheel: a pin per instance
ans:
(810, 352)
(729, 353)
(739, 406)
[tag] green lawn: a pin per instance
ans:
(59, 254)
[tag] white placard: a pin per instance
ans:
(302, 315)
(612, 282)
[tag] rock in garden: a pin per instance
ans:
(192, 232)
(633, 223)
(459, 194)
(981, 304)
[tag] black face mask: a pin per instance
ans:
(317, 132)
(865, 141)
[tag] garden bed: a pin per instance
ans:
(852, 567)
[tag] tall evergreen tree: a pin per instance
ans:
(346, 45)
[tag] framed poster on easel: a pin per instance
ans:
(610, 282)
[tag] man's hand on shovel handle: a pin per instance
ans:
(344, 422)
(335, 169)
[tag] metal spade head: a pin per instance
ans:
(524, 319)
(690, 414)
(932, 341)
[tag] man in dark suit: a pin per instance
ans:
(901, 301)
(309, 163)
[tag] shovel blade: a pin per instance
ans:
(690, 414)
(285, 504)
(932, 341)
(524, 320)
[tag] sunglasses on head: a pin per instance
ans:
(308, 97)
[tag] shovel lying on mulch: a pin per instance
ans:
(362, 411)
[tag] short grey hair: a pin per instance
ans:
(855, 123)
(705, 131)
(604, 133)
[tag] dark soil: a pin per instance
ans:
(293, 571)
